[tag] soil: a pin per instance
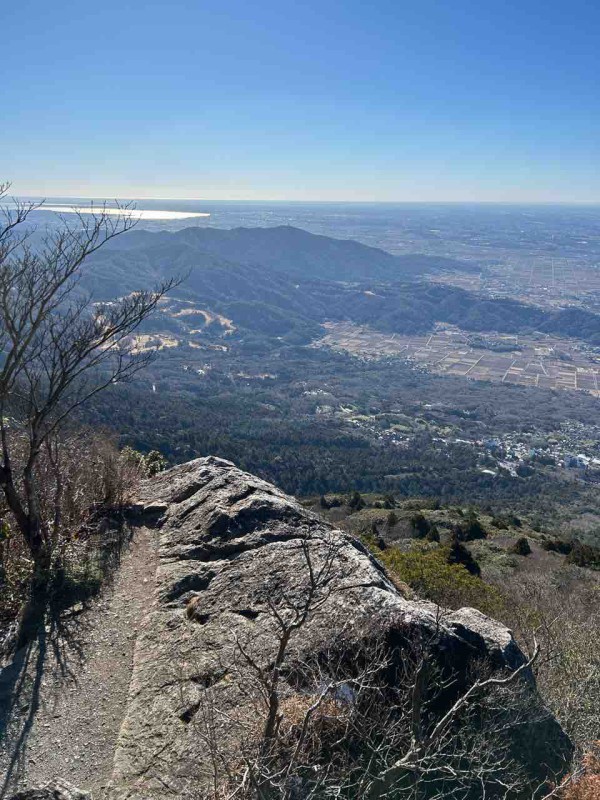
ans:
(63, 697)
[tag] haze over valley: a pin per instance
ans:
(300, 400)
(377, 367)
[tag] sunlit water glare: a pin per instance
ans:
(135, 213)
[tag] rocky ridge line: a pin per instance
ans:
(228, 543)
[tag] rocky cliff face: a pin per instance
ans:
(231, 549)
(233, 552)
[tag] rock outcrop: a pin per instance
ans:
(231, 546)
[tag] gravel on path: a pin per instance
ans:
(67, 691)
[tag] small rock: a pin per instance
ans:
(55, 790)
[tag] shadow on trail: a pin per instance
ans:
(53, 645)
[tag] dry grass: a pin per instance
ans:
(587, 786)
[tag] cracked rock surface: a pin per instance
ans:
(230, 547)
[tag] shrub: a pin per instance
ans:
(504, 521)
(433, 535)
(458, 554)
(557, 546)
(522, 547)
(584, 555)
(420, 525)
(430, 574)
(154, 462)
(524, 471)
(388, 501)
(356, 502)
(469, 530)
(148, 465)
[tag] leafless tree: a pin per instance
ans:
(362, 719)
(58, 348)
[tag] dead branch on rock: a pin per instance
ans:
(366, 717)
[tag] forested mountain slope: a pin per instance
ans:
(278, 281)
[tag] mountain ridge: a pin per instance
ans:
(321, 279)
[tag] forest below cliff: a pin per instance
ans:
(464, 491)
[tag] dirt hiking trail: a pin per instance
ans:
(63, 697)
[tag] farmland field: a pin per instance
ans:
(538, 360)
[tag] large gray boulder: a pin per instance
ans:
(230, 545)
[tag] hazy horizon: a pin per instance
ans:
(75, 199)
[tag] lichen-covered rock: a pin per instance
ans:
(231, 544)
(56, 790)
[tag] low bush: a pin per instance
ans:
(557, 546)
(584, 555)
(420, 525)
(430, 574)
(522, 547)
(469, 530)
(356, 502)
(458, 554)
(83, 479)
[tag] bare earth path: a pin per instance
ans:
(63, 698)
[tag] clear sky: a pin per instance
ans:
(353, 100)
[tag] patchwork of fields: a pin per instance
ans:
(545, 282)
(548, 362)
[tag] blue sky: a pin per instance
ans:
(407, 101)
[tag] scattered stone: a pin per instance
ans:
(56, 790)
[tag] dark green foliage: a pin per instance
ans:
(469, 530)
(433, 535)
(584, 555)
(522, 547)
(504, 521)
(558, 546)
(154, 462)
(150, 464)
(577, 552)
(458, 554)
(392, 519)
(356, 502)
(420, 525)
(524, 471)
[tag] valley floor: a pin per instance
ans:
(63, 698)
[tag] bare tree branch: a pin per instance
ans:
(59, 349)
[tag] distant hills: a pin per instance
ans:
(286, 249)
(283, 282)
